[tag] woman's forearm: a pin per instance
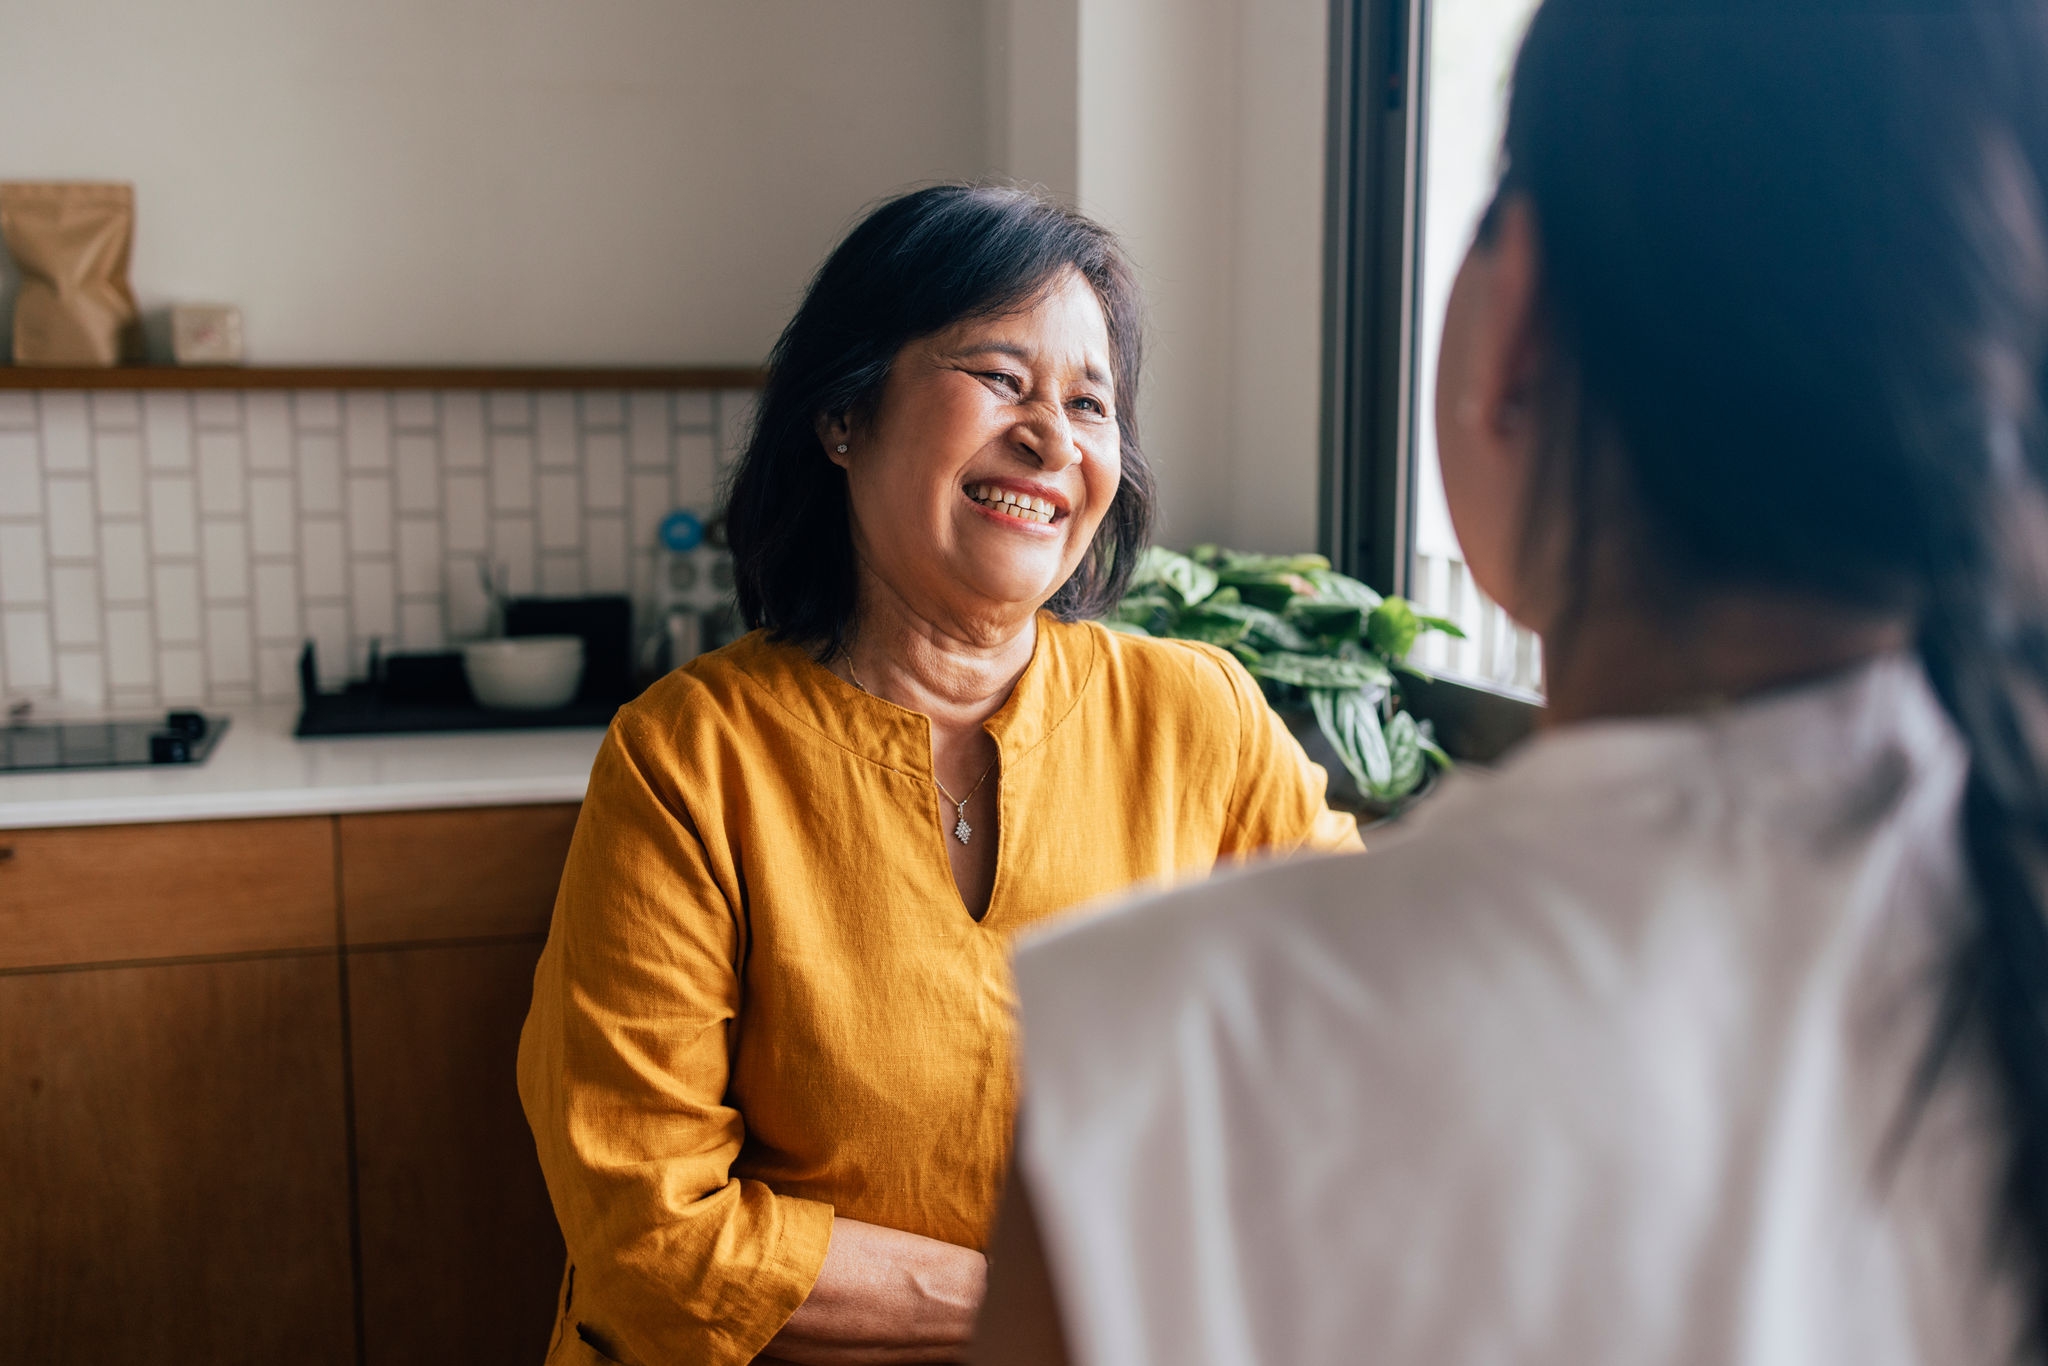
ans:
(885, 1297)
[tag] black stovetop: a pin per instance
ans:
(181, 737)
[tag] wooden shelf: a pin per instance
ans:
(379, 377)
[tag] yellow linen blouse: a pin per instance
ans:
(762, 1001)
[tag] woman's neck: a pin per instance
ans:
(958, 674)
(1635, 662)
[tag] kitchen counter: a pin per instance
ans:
(258, 769)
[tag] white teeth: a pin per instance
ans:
(1021, 506)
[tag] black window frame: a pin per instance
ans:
(1378, 103)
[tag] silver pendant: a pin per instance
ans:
(961, 830)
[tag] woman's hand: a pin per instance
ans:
(885, 1297)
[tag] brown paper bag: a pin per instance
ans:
(71, 244)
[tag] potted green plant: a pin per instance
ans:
(1326, 649)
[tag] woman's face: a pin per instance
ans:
(979, 480)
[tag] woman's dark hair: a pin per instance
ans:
(1794, 278)
(914, 266)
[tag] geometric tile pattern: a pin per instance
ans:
(175, 547)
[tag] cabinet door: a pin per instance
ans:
(410, 876)
(461, 1253)
(174, 1165)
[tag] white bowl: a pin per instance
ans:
(524, 673)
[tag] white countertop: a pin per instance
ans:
(258, 769)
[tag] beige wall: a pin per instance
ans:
(493, 180)
(1197, 132)
(654, 180)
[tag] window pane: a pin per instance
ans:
(1471, 48)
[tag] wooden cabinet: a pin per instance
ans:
(120, 893)
(461, 1253)
(197, 1038)
(412, 876)
(445, 914)
(173, 1135)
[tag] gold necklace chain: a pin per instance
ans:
(962, 831)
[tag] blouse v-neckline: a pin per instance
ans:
(892, 736)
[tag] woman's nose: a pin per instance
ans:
(1049, 439)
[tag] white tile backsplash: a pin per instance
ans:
(415, 410)
(17, 409)
(369, 514)
(692, 408)
(167, 429)
(177, 603)
(116, 410)
(217, 408)
(561, 511)
(24, 564)
(366, 415)
(322, 559)
(21, 475)
(173, 516)
(223, 482)
(81, 676)
(648, 431)
(267, 421)
(230, 650)
(25, 636)
(117, 466)
(604, 470)
(514, 551)
(67, 435)
(224, 560)
(555, 430)
(509, 408)
(177, 547)
(418, 457)
(75, 604)
(319, 472)
(277, 601)
(462, 430)
(131, 648)
(467, 518)
(419, 557)
(372, 599)
(124, 562)
(316, 409)
(181, 676)
(273, 527)
(71, 518)
(511, 472)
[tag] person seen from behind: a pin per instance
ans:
(1713, 1025)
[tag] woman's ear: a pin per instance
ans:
(835, 434)
(1490, 375)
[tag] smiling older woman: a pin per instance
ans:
(768, 1065)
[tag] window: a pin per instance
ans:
(1418, 92)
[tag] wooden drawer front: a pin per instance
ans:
(117, 893)
(408, 876)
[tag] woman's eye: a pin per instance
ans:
(1006, 379)
(1093, 405)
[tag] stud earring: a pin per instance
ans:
(842, 448)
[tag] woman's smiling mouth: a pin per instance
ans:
(1021, 507)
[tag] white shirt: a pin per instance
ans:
(1592, 1061)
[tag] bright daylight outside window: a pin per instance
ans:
(1471, 48)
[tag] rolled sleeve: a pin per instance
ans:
(623, 1069)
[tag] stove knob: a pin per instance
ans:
(189, 724)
